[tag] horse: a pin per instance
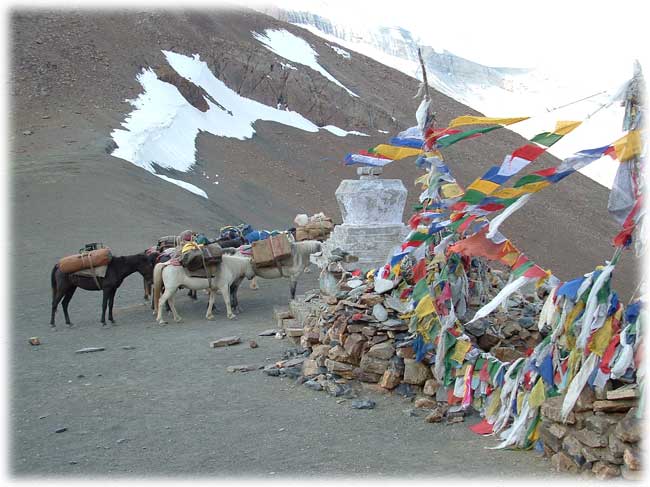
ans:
(291, 267)
(64, 285)
(228, 274)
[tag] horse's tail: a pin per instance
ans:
(157, 284)
(53, 281)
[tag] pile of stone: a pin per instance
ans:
(600, 437)
(511, 334)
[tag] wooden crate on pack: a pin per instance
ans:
(85, 260)
(266, 252)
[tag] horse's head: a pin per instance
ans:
(145, 264)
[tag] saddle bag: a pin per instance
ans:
(168, 242)
(194, 258)
(85, 260)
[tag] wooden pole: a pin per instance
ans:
(424, 75)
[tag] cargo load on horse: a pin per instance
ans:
(86, 260)
(271, 250)
(316, 227)
(195, 257)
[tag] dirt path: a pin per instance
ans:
(167, 406)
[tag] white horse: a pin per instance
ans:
(291, 267)
(229, 274)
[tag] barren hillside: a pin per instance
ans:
(73, 71)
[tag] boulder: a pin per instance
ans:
(364, 376)
(564, 463)
(431, 386)
(310, 368)
(604, 471)
(552, 407)
(506, 354)
(632, 458)
(425, 402)
(340, 368)
(354, 345)
(390, 379)
(620, 406)
(416, 372)
(629, 429)
(585, 401)
(374, 365)
(339, 354)
(382, 351)
(591, 438)
(379, 312)
(436, 414)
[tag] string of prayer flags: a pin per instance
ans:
(472, 120)
(547, 139)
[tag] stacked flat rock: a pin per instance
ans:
(601, 436)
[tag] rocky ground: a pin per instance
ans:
(158, 401)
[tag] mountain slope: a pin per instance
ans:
(73, 71)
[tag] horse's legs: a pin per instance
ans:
(234, 300)
(254, 283)
(292, 287)
(56, 299)
(147, 289)
(66, 301)
(163, 300)
(225, 292)
(104, 303)
(111, 300)
(172, 305)
(208, 314)
(192, 294)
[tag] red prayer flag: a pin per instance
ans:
(482, 428)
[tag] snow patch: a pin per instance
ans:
(341, 52)
(162, 128)
(291, 47)
(288, 66)
(184, 185)
(342, 133)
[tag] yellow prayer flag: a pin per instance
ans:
(601, 338)
(423, 180)
(485, 187)
(565, 126)
(537, 394)
(494, 403)
(460, 350)
(628, 146)
(425, 307)
(395, 152)
(471, 120)
(520, 399)
(451, 190)
(508, 193)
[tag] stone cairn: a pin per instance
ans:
(601, 436)
(349, 338)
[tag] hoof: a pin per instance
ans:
(254, 287)
(178, 320)
(232, 317)
(162, 322)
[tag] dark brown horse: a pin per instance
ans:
(64, 285)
